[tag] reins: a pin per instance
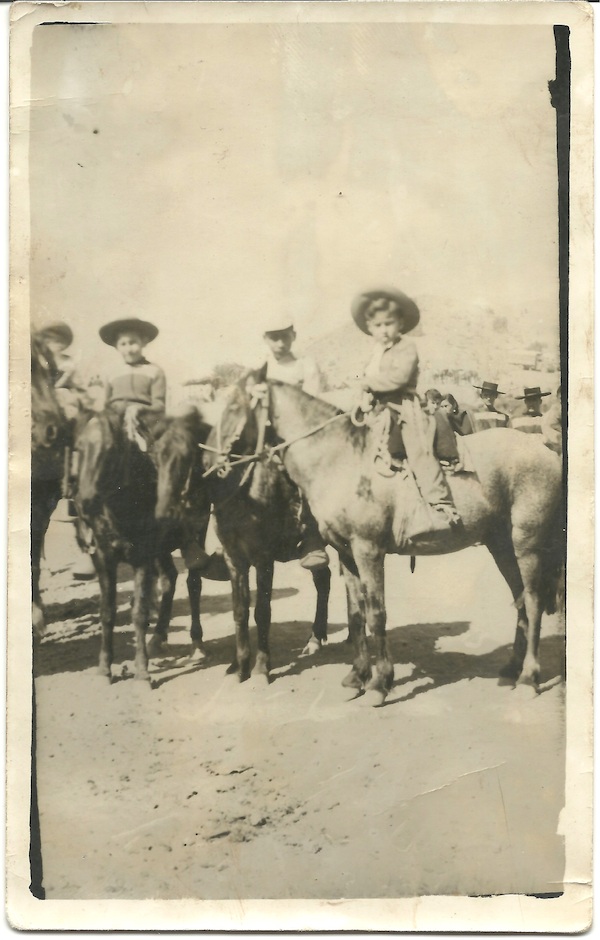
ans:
(224, 467)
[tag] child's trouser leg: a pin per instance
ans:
(434, 489)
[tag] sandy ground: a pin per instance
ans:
(205, 788)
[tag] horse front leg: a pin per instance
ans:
(240, 594)
(168, 581)
(360, 673)
(370, 562)
(194, 586)
(106, 568)
(143, 577)
(322, 582)
(262, 616)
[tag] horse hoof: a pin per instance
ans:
(198, 655)
(156, 647)
(313, 646)
(352, 681)
(231, 670)
(529, 682)
(373, 698)
(104, 678)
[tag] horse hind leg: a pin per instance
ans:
(501, 548)
(262, 615)
(240, 592)
(142, 587)
(167, 573)
(194, 586)
(322, 581)
(530, 566)
(107, 577)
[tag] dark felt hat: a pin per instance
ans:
(532, 393)
(57, 330)
(111, 331)
(407, 307)
(490, 387)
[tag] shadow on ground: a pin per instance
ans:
(78, 648)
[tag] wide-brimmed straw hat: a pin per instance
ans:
(534, 392)
(59, 330)
(111, 331)
(490, 387)
(406, 306)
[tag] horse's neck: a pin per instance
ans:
(294, 412)
(297, 419)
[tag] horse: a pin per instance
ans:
(512, 503)
(49, 439)
(115, 497)
(256, 513)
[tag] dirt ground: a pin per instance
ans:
(204, 788)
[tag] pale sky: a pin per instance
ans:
(206, 177)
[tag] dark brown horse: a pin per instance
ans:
(512, 503)
(49, 438)
(256, 511)
(116, 497)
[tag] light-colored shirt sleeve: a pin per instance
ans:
(313, 380)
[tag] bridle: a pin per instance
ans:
(229, 461)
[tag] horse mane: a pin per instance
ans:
(187, 429)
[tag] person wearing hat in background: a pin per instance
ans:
(70, 392)
(390, 380)
(69, 387)
(532, 403)
(282, 365)
(487, 415)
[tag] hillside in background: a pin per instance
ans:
(456, 348)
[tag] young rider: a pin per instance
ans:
(390, 379)
(283, 365)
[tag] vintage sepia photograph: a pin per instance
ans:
(301, 468)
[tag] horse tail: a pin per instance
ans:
(552, 589)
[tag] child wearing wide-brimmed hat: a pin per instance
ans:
(390, 379)
(135, 383)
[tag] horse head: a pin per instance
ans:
(236, 430)
(176, 456)
(100, 448)
(49, 429)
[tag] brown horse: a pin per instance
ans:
(255, 507)
(116, 497)
(512, 503)
(49, 438)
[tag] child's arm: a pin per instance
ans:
(313, 382)
(158, 392)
